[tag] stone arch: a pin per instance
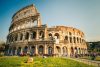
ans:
(57, 35)
(25, 50)
(72, 51)
(70, 38)
(21, 36)
(58, 50)
(27, 36)
(19, 51)
(66, 38)
(79, 51)
(77, 40)
(65, 51)
(74, 39)
(50, 36)
(76, 51)
(16, 37)
(33, 35)
(32, 51)
(41, 49)
(50, 49)
(14, 50)
(41, 34)
(70, 33)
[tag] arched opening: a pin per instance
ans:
(41, 35)
(41, 50)
(32, 52)
(72, 52)
(64, 51)
(74, 39)
(58, 50)
(33, 35)
(16, 37)
(27, 36)
(25, 50)
(77, 40)
(21, 36)
(49, 50)
(66, 38)
(14, 50)
(50, 36)
(76, 52)
(10, 50)
(19, 51)
(57, 35)
(70, 33)
(80, 40)
(70, 39)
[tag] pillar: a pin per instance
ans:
(36, 49)
(30, 34)
(37, 35)
(54, 49)
(39, 21)
(45, 49)
(69, 51)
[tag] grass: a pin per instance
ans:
(39, 62)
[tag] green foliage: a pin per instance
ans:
(39, 62)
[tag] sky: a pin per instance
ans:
(80, 14)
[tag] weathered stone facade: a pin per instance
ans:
(27, 35)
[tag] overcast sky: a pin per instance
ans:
(81, 14)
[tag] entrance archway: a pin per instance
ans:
(72, 52)
(32, 51)
(49, 50)
(58, 50)
(40, 50)
(64, 49)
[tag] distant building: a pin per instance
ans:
(27, 35)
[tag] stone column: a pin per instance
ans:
(61, 51)
(39, 21)
(30, 34)
(69, 51)
(45, 33)
(36, 49)
(18, 37)
(45, 49)
(37, 35)
(23, 36)
(54, 49)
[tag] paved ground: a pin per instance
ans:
(90, 62)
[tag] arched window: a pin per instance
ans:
(16, 37)
(41, 34)
(66, 37)
(70, 33)
(33, 35)
(27, 36)
(50, 35)
(77, 40)
(57, 35)
(40, 49)
(50, 50)
(80, 40)
(74, 39)
(21, 36)
(70, 39)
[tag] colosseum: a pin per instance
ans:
(27, 36)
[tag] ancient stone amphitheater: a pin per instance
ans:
(27, 36)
